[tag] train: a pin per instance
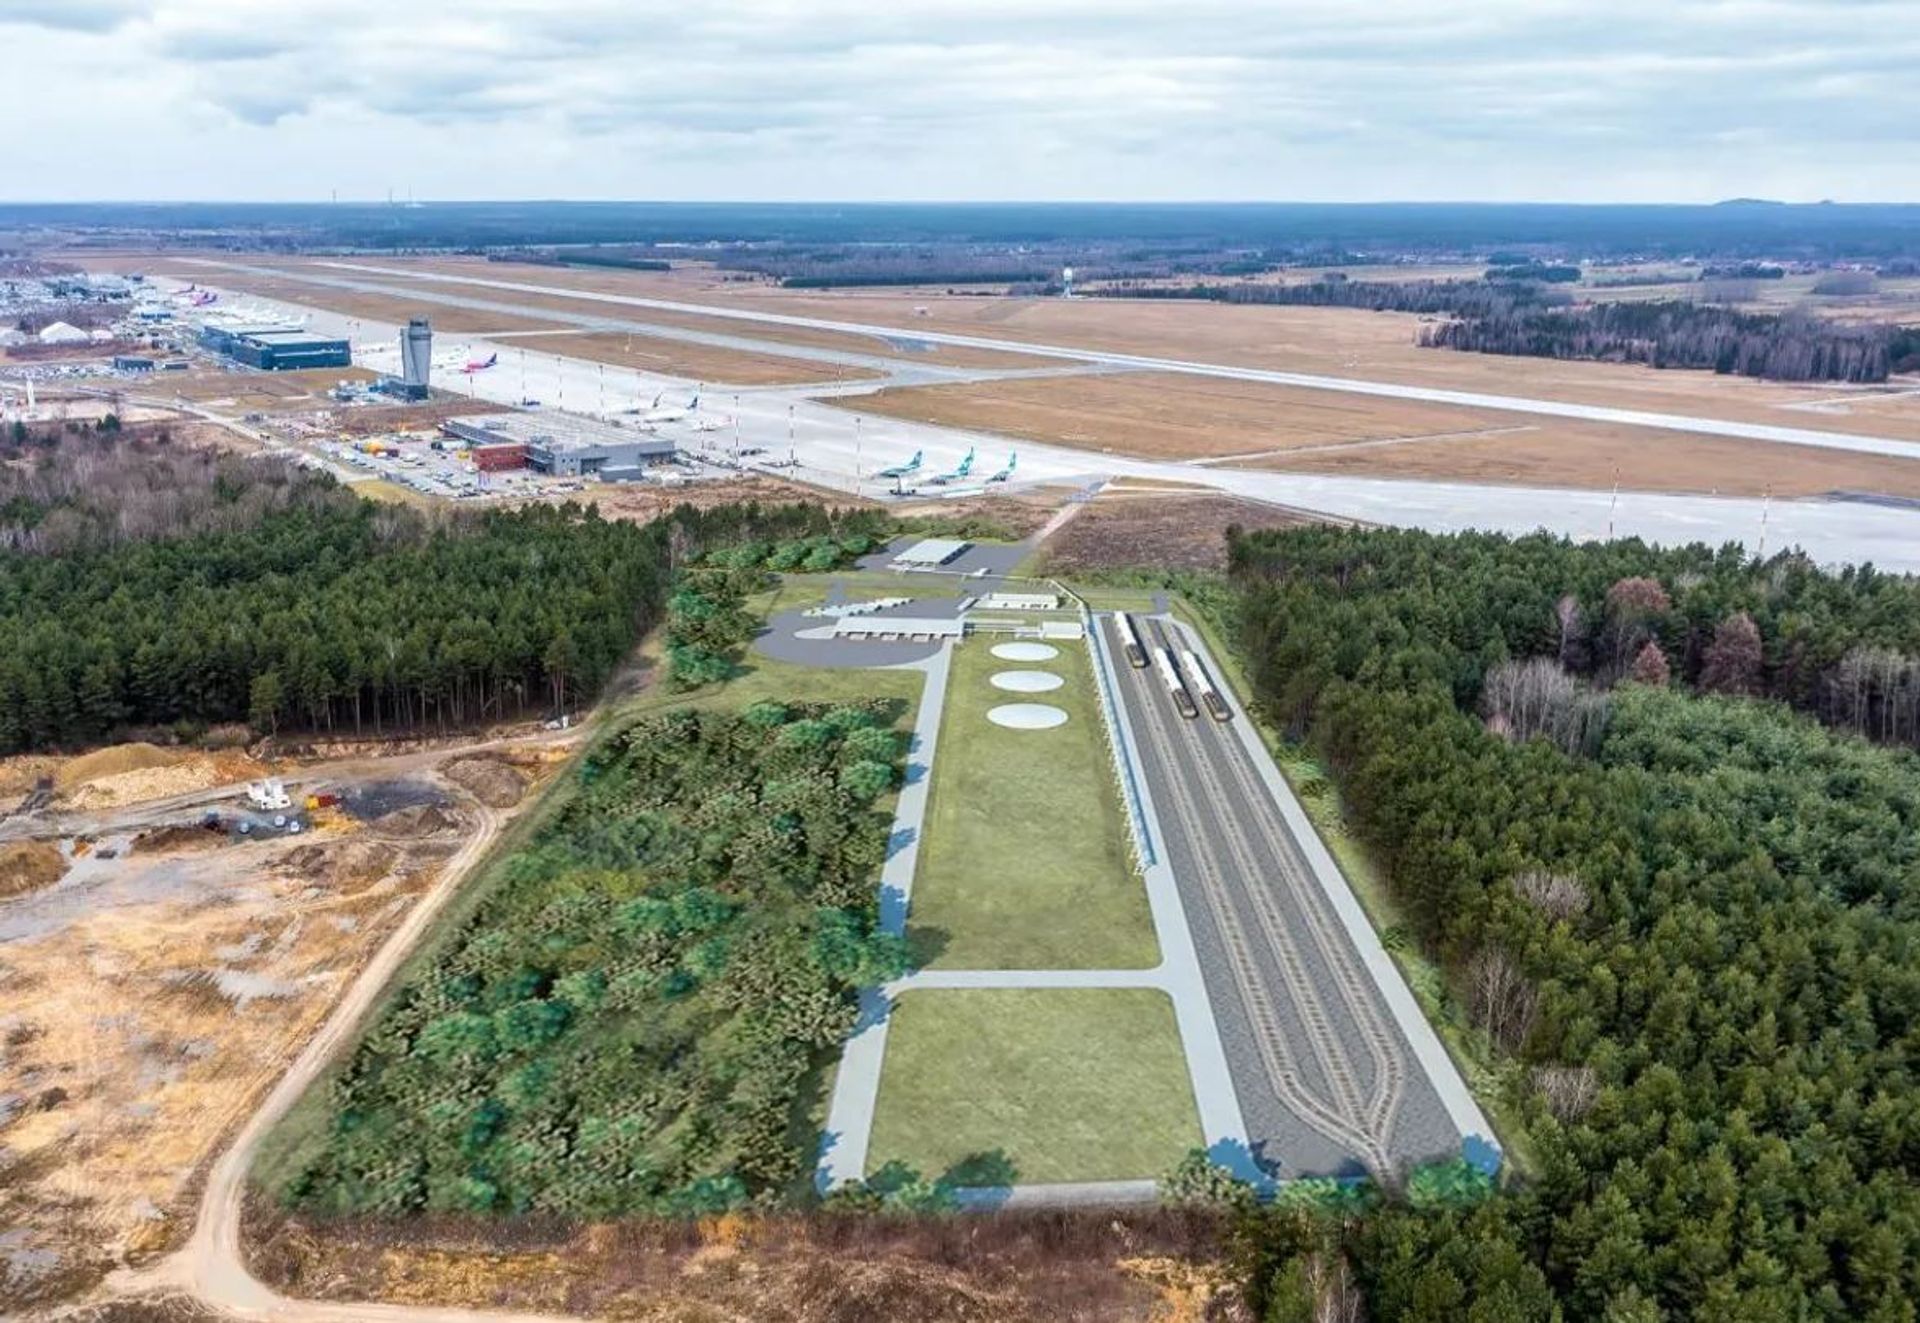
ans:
(1197, 675)
(1136, 653)
(1176, 688)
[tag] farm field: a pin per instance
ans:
(682, 358)
(1034, 1086)
(1024, 864)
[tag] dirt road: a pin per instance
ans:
(210, 1267)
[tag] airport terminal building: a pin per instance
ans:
(277, 348)
(565, 446)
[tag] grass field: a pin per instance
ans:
(1024, 863)
(1067, 1084)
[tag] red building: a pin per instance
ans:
(497, 459)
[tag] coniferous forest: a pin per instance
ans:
(146, 585)
(632, 1019)
(1682, 913)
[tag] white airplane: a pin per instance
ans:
(958, 475)
(1007, 472)
(905, 470)
(655, 414)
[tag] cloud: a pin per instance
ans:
(70, 15)
(1228, 98)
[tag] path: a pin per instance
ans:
(856, 1093)
(211, 1266)
(856, 1086)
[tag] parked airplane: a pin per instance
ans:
(1007, 472)
(905, 470)
(958, 475)
(656, 414)
(481, 364)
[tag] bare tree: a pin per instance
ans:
(1557, 895)
(1336, 1296)
(1532, 699)
(1569, 1090)
(1650, 666)
(1503, 1001)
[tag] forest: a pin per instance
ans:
(1505, 314)
(1681, 915)
(147, 586)
(633, 1019)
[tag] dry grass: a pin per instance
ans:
(27, 866)
(1155, 415)
(1555, 453)
(684, 358)
(1088, 1267)
(1127, 529)
(1333, 341)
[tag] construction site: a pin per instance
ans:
(177, 923)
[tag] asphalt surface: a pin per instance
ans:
(1327, 1081)
(836, 447)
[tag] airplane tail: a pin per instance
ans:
(914, 463)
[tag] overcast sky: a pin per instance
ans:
(1681, 100)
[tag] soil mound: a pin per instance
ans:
(419, 820)
(28, 866)
(493, 783)
(181, 836)
(113, 760)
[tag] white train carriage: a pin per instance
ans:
(1197, 676)
(1176, 688)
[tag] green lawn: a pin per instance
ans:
(1067, 1084)
(1024, 864)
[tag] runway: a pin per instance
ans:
(1327, 1078)
(834, 446)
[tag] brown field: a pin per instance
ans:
(1376, 346)
(1169, 416)
(682, 358)
(1244, 424)
(154, 981)
(1329, 341)
(255, 392)
(1130, 1266)
(1128, 527)
(1556, 453)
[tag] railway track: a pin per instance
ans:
(1358, 1114)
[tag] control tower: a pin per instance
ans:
(416, 356)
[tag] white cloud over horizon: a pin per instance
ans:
(1497, 100)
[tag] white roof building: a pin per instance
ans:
(11, 336)
(930, 553)
(60, 333)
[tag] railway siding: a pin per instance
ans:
(1330, 1077)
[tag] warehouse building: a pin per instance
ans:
(277, 348)
(564, 445)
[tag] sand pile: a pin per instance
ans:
(28, 866)
(180, 772)
(493, 783)
(114, 760)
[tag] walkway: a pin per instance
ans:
(849, 1130)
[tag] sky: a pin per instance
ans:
(1016, 100)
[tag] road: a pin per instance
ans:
(1327, 1079)
(211, 1267)
(837, 447)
